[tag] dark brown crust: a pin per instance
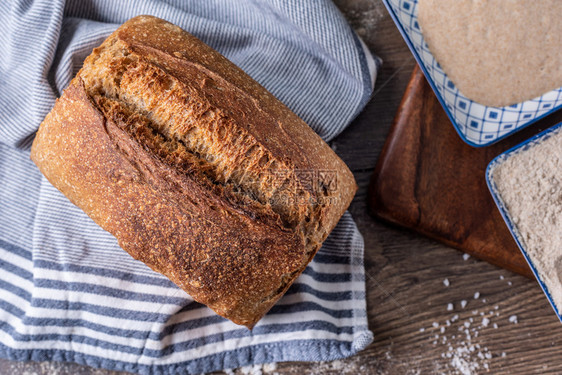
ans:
(236, 258)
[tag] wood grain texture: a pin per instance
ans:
(427, 179)
(405, 271)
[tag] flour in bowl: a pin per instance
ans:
(496, 52)
(530, 184)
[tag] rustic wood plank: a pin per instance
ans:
(406, 271)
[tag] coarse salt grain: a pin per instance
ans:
(513, 319)
(463, 303)
(476, 295)
(450, 307)
(485, 322)
(446, 282)
(465, 256)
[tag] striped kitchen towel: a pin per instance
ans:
(69, 293)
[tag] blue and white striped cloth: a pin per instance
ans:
(69, 293)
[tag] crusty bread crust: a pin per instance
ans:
(178, 153)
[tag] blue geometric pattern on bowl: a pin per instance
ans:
(505, 212)
(477, 124)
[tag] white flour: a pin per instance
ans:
(530, 184)
(458, 338)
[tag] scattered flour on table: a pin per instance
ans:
(51, 368)
(365, 19)
(264, 369)
(351, 366)
(529, 183)
(457, 335)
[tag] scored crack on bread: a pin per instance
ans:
(194, 167)
(187, 119)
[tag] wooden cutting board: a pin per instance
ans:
(427, 179)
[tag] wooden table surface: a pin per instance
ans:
(507, 325)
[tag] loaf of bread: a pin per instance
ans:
(195, 168)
